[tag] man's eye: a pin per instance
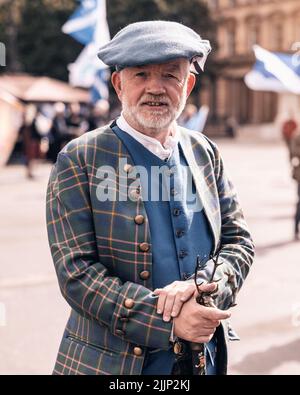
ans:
(141, 74)
(171, 76)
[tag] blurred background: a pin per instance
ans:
(53, 89)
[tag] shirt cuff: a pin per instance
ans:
(173, 338)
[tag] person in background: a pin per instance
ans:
(58, 132)
(31, 139)
(99, 114)
(76, 124)
(231, 127)
(190, 110)
(295, 161)
(289, 129)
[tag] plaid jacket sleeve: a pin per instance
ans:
(236, 246)
(84, 281)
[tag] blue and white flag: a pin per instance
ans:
(99, 90)
(274, 71)
(198, 120)
(88, 25)
(82, 22)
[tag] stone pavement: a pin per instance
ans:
(33, 313)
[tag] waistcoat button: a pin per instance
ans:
(139, 219)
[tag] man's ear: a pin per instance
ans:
(116, 83)
(190, 84)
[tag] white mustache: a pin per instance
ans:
(155, 99)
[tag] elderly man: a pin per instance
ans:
(131, 207)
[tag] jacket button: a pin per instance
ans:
(144, 247)
(119, 332)
(144, 275)
(139, 219)
(177, 348)
(176, 212)
(170, 172)
(179, 233)
(183, 253)
(137, 351)
(135, 194)
(129, 303)
(128, 168)
(124, 319)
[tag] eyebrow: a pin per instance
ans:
(169, 67)
(173, 67)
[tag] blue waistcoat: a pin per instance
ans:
(179, 228)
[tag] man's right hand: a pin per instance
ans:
(197, 323)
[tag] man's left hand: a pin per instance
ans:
(173, 296)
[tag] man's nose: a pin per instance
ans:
(155, 86)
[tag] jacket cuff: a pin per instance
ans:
(173, 338)
(135, 319)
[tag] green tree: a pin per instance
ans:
(43, 47)
(193, 13)
(32, 33)
(31, 29)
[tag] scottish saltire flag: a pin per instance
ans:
(274, 71)
(82, 22)
(88, 25)
(83, 71)
(99, 89)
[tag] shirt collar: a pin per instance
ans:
(163, 151)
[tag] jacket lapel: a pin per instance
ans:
(207, 192)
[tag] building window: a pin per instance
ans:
(231, 39)
(277, 25)
(252, 33)
(231, 42)
(297, 28)
(277, 36)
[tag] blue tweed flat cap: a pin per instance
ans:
(152, 42)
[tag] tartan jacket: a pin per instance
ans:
(100, 253)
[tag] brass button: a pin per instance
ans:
(177, 348)
(137, 351)
(119, 332)
(183, 254)
(176, 212)
(179, 233)
(170, 172)
(135, 194)
(128, 168)
(145, 275)
(129, 303)
(139, 219)
(144, 247)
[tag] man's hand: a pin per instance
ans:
(198, 323)
(173, 296)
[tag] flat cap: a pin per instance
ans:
(152, 42)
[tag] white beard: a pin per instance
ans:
(156, 121)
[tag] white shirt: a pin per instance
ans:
(152, 144)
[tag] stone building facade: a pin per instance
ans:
(272, 24)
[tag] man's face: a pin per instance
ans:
(153, 96)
